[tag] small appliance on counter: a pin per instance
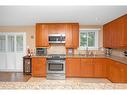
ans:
(41, 51)
(70, 51)
(125, 53)
(108, 51)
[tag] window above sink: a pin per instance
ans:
(88, 39)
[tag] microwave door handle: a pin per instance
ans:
(61, 38)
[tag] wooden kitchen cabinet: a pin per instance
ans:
(97, 68)
(87, 67)
(100, 67)
(117, 72)
(69, 35)
(107, 35)
(56, 28)
(124, 75)
(75, 36)
(73, 67)
(72, 35)
(113, 71)
(61, 28)
(38, 66)
(123, 29)
(52, 28)
(114, 33)
(42, 35)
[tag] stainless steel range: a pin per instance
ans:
(56, 66)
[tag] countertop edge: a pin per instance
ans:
(115, 58)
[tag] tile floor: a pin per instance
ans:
(69, 83)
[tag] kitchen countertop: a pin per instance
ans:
(83, 56)
(119, 59)
(115, 58)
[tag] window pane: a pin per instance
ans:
(11, 43)
(2, 43)
(91, 39)
(83, 39)
(19, 43)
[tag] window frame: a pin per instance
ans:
(97, 30)
(15, 48)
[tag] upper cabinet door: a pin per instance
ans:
(107, 35)
(123, 24)
(61, 28)
(42, 35)
(69, 35)
(52, 28)
(75, 37)
(114, 33)
(72, 35)
(56, 28)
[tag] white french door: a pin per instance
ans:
(12, 49)
(2, 51)
(10, 52)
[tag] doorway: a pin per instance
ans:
(12, 49)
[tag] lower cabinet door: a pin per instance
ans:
(72, 67)
(117, 72)
(99, 67)
(87, 68)
(38, 67)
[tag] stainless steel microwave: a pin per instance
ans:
(56, 38)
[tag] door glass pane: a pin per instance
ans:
(91, 39)
(83, 39)
(10, 43)
(19, 43)
(2, 43)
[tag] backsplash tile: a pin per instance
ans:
(60, 49)
(97, 52)
(56, 49)
(118, 52)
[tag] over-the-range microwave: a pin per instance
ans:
(56, 38)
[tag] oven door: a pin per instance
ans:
(56, 66)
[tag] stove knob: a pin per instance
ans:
(62, 56)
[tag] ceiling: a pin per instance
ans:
(85, 15)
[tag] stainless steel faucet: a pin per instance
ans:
(87, 51)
